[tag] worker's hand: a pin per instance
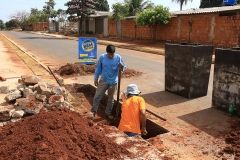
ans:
(123, 96)
(144, 131)
(120, 64)
(96, 83)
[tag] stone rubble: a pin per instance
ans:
(29, 97)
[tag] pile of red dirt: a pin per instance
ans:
(57, 134)
(233, 139)
(84, 69)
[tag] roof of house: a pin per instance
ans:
(100, 14)
(206, 10)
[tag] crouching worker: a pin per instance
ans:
(133, 116)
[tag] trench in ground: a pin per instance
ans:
(84, 93)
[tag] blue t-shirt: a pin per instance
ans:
(108, 68)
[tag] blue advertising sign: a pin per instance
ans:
(87, 50)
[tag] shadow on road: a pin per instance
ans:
(163, 98)
(210, 121)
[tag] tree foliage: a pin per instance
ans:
(62, 15)
(101, 5)
(120, 11)
(157, 15)
(36, 16)
(20, 16)
(152, 17)
(12, 24)
(212, 3)
(137, 6)
(79, 10)
(2, 25)
(181, 2)
(48, 9)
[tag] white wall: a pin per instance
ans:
(92, 25)
(105, 26)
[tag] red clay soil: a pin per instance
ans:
(83, 69)
(56, 134)
(233, 139)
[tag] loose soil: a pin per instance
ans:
(233, 139)
(78, 69)
(69, 136)
(66, 136)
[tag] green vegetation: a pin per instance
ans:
(120, 11)
(101, 5)
(137, 6)
(79, 10)
(154, 16)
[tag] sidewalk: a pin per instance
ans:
(12, 67)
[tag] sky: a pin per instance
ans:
(9, 7)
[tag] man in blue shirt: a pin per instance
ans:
(107, 66)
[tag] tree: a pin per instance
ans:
(12, 24)
(120, 11)
(2, 25)
(79, 10)
(152, 17)
(181, 2)
(20, 16)
(101, 5)
(36, 16)
(137, 6)
(49, 9)
(62, 16)
(212, 3)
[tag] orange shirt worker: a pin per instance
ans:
(133, 116)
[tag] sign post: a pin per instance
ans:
(87, 50)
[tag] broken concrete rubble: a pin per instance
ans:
(30, 79)
(32, 96)
(13, 96)
(30, 104)
(4, 89)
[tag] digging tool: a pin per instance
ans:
(117, 118)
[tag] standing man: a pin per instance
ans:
(133, 116)
(107, 66)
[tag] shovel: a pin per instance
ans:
(117, 118)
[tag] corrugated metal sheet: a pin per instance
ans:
(206, 10)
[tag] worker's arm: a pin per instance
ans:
(143, 121)
(123, 96)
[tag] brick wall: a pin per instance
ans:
(112, 28)
(39, 26)
(201, 28)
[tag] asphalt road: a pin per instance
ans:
(56, 50)
(53, 51)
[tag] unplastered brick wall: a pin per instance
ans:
(227, 31)
(40, 26)
(201, 28)
(112, 28)
(128, 28)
